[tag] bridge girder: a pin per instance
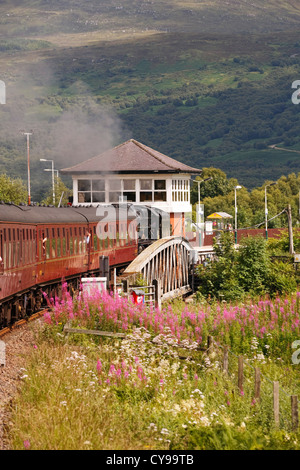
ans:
(166, 260)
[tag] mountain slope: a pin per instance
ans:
(87, 75)
(42, 17)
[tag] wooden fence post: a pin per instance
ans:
(295, 415)
(210, 344)
(225, 360)
(276, 402)
(257, 384)
(241, 373)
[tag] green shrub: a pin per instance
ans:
(281, 278)
(253, 264)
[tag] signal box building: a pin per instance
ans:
(137, 174)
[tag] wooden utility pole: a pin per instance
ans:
(295, 416)
(290, 224)
(225, 360)
(257, 384)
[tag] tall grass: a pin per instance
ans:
(274, 323)
(154, 389)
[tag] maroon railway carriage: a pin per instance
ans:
(40, 246)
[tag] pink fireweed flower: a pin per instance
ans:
(99, 366)
(26, 444)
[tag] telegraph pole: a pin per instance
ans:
(266, 207)
(290, 224)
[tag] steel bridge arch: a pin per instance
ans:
(167, 260)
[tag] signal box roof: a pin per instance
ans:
(131, 157)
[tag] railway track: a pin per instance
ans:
(20, 323)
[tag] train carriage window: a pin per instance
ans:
(21, 255)
(99, 235)
(71, 246)
(106, 235)
(40, 254)
(110, 234)
(47, 248)
(34, 251)
(95, 238)
(31, 247)
(13, 248)
(64, 248)
(71, 243)
(21, 247)
(28, 248)
(79, 240)
(53, 247)
(58, 243)
(17, 255)
(75, 243)
(9, 255)
(67, 240)
(14, 251)
(85, 238)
